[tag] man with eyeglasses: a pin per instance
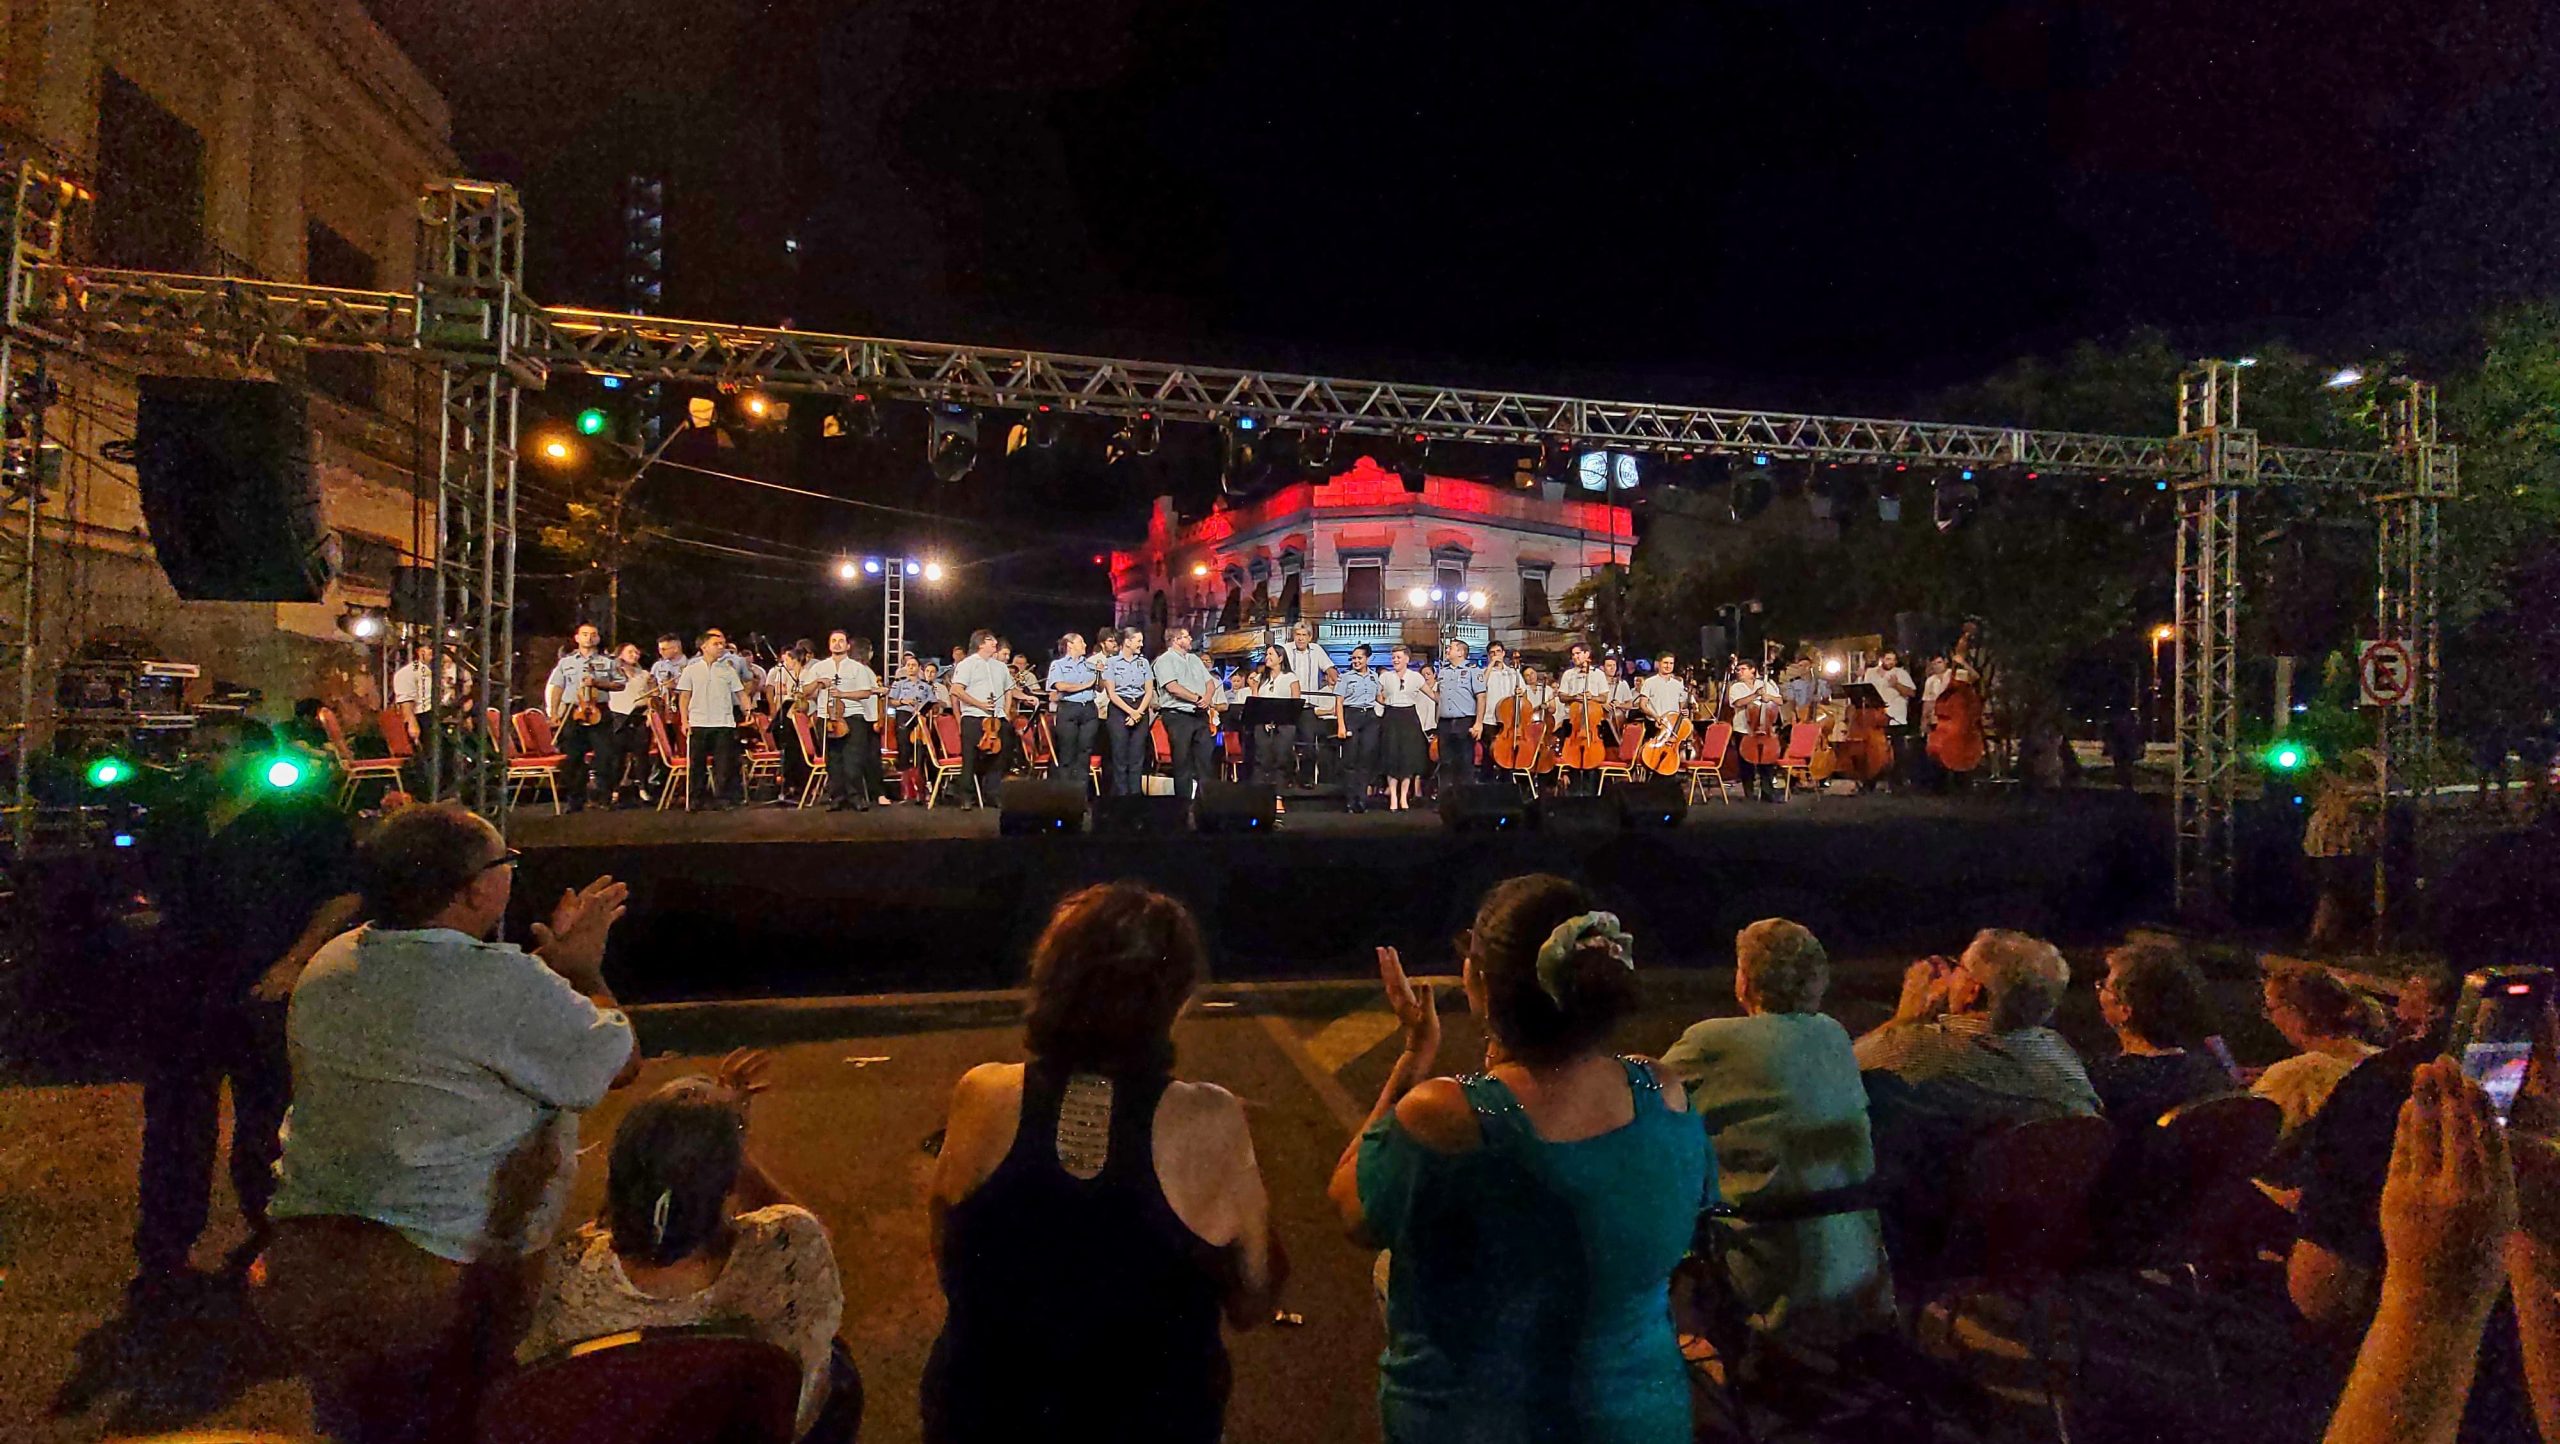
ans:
(438, 1076)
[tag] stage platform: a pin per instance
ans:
(775, 901)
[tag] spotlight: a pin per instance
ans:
(2163, 632)
(1315, 448)
(1439, 595)
(611, 383)
(1759, 458)
(1140, 433)
(845, 570)
(701, 410)
(1623, 471)
(1556, 459)
(951, 448)
(1247, 464)
(1953, 503)
(1476, 600)
(591, 422)
(1418, 597)
(1592, 470)
(1042, 425)
(283, 774)
(914, 568)
(558, 451)
(933, 571)
(2343, 377)
(758, 406)
(858, 417)
(1409, 464)
(362, 623)
(871, 566)
(1751, 493)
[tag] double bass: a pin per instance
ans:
(1955, 736)
(1521, 745)
(1865, 749)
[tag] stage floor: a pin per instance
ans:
(776, 901)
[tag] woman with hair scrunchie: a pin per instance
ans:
(1532, 1212)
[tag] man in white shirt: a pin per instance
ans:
(1893, 684)
(1182, 689)
(1661, 696)
(978, 687)
(1501, 680)
(1932, 687)
(1749, 686)
(711, 691)
(1317, 679)
(1579, 680)
(845, 686)
(437, 1081)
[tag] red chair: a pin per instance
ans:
(1039, 745)
(679, 775)
(1713, 763)
(764, 754)
(1231, 753)
(943, 759)
(536, 757)
(1624, 763)
(1164, 744)
(360, 769)
(653, 1386)
(814, 748)
(1803, 740)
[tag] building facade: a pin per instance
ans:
(285, 139)
(1367, 560)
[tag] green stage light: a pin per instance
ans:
(110, 772)
(2288, 757)
(283, 774)
(591, 421)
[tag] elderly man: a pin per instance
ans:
(437, 1081)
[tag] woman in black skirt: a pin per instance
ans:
(1402, 753)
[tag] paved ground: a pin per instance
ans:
(858, 1088)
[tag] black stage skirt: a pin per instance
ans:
(1401, 752)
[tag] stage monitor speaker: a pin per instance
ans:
(1651, 804)
(1236, 807)
(1483, 807)
(228, 493)
(1034, 805)
(1712, 646)
(1580, 814)
(413, 596)
(1141, 814)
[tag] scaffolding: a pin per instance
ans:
(468, 317)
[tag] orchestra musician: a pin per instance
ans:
(1893, 684)
(579, 683)
(1456, 688)
(1358, 720)
(1313, 667)
(1662, 697)
(1749, 686)
(712, 693)
(980, 686)
(1580, 679)
(1622, 694)
(1805, 689)
(629, 720)
(1076, 684)
(1182, 691)
(910, 698)
(782, 698)
(1400, 696)
(1275, 748)
(1501, 680)
(1129, 696)
(844, 686)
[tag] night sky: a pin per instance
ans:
(1820, 206)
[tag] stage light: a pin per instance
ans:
(1199, 569)
(1759, 458)
(2155, 486)
(1476, 600)
(1140, 433)
(366, 624)
(1244, 423)
(2246, 361)
(1041, 426)
(1315, 447)
(845, 571)
(124, 839)
(1953, 503)
(857, 417)
(701, 410)
(1831, 666)
(283, 774)
(1439, 594)
(914, 568)
(1416, 451)
(757, 406)
(558, 451)
(1622, 470)
(591, 422)
(1751, 494)
(933, 571)
(611, 383)
(1592, 470)
(1418, 597)
(1246, 465)
(951, 448)
(110, 772)
(871, 566)
(2288, 757)
(2343, 377)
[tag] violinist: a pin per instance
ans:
(1749, 686)
(629, 719)
(574, 697)
(1893, 684)
(979, 687)
(910, 698)
(1359, 721)
(1501, 680)
(843, 687)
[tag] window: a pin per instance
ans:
(150, 213)
(1231, 616)
(1449, 578)
(333, 260)
(1534, 611)
(1289, 597)
(1364, 589)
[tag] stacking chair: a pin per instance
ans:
(944, 762)
(649, 1386)
(1713, 763)
(1803, 740)
(679, 774)
(762, 760)
(1623, 763)
(2208, 1154)
(1231, 755)
(812, 746)
(1039, 746)
(359, 770)
(536, 757)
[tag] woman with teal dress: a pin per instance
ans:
(1532, 1213)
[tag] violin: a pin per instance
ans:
(991, 734)
(837, 726)
(590, 709)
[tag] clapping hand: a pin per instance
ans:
(1414, 1007)
(1924, 990)
(572, 943)
(746, 1072)
(2533, 1141)
(2449, 1200)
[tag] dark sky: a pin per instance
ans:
(1824, 206)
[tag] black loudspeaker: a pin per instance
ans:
(1712, 647)
(1580, 814)
(1651, 804)
(1236, 807)
(227, 490)
(413, 596)
(1483, 807)
(1033, 805)
(1141, 815)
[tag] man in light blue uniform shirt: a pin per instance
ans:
(1358, 692)
(583, 666)
(1458, 684)
(1182, 688)
(1128, 680)
(1076, 686)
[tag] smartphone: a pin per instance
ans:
(2493, 1029)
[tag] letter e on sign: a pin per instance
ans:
(2385, 673)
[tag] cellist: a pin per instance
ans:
(1661, 697)
(1501, 680)
(1748, 686)
(1576, 682)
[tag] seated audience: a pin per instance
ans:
(1092, 1216)
(1533, 1211)
(1779, 1090)
(1967, 1051)
(437, 1081)
(669, 1251)
(2154, 1001)
(2329, 1024)
(2468, 1210)
(2334, 1271)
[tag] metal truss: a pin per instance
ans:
(2225, 454)
(2406, 545)
(40, 204)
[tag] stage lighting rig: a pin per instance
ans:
(1247, 462)
(1042, 424)
(1139, 434)
(1752, 490)
(1954, 500)
(951, 446)
(1315, 448)
(1411, 456)
(858, 417)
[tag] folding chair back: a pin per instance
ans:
(395, 732)
(2022, 1212)
(1803, 740)
(656, 1386)
(2212, 1150)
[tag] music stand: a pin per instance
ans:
(1271, 712)
(1864, 694)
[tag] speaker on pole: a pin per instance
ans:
(228, 493)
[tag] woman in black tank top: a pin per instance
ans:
(1082, 1304)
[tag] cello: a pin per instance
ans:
(1579, 747)
(1521, 746)
(1764, 743)
(1664, 751)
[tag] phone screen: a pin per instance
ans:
(2494, 1028)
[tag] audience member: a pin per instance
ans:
(2330, 1026)
(1533, 1212)
(249, 881)
(669, 1252)
(2154, 1001)
(1786, 1113)
(1091, 1214)
(437, 1082)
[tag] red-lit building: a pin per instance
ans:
(1367, 560)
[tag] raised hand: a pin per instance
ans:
(572, 943)
(2449, 1199)
(1414, 1007)
(746, 1072)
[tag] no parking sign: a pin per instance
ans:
(2386, 675)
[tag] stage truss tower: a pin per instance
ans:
(468, 319)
